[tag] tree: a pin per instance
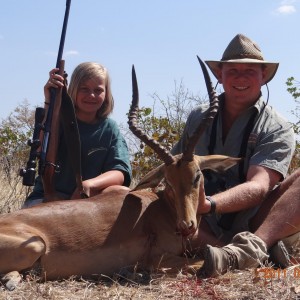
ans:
(15, 131)
(294, 89)
(164, 122)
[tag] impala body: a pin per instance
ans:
(106, 233)
(80, 237)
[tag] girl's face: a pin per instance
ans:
(89, 99)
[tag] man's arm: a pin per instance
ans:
(260, 181)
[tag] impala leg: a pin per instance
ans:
(18, 253)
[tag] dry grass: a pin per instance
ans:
(233, 285)
(12, 192)
(249, 284)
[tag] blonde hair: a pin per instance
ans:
(89, 70)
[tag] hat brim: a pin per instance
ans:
(270, 67)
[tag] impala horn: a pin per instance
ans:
(188, 152)
(163, 154)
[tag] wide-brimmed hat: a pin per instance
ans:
(242, 50)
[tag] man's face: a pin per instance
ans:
(242, 82)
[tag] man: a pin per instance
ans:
(246, 127)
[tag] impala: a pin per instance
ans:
(118, 228)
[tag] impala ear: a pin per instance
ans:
(151, 179)
(218, 163)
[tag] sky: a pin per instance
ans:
(160, 37)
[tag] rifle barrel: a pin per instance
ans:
(63, 33)
(48, 122)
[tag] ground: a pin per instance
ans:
(264, 283)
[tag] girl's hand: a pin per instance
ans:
(88, 190)
(54, 81)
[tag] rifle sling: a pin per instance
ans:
(71, 134)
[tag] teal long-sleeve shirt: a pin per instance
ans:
(103, 148)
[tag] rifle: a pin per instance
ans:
(50, 130)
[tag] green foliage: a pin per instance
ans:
(160, 129)
(11, 140)
(15, 131)
(164, 122)
(294, 89)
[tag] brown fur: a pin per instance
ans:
(117, 229)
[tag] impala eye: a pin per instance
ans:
(197, 179)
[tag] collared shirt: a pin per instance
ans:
(271, 142)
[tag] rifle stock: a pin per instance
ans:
(49, 166)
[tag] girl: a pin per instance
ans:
(104, 153)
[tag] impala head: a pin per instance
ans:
(183, 177)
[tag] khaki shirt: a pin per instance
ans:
(271, 143)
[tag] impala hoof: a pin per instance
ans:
(11, 280)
